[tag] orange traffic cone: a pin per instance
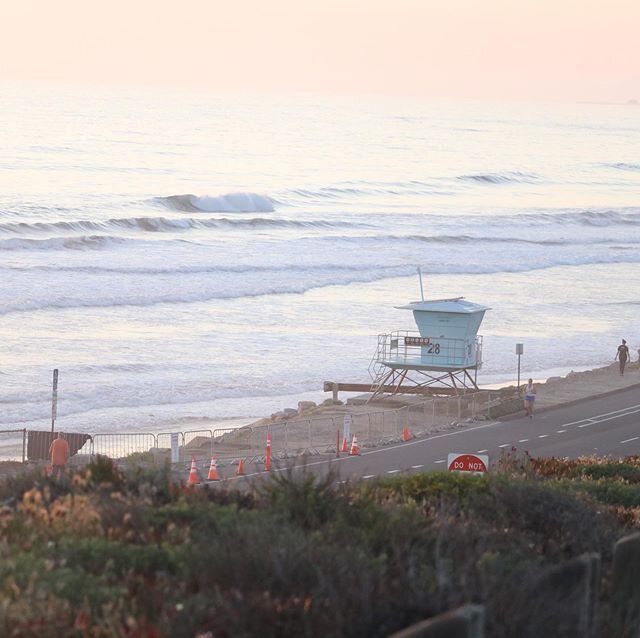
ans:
(355, 448)
(406, 435)
(267, 458)
(213, 470)
(240, 468)
(194, 479)
(345, 446)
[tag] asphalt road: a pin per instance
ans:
(603, 425)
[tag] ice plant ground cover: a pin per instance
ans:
(110, 553)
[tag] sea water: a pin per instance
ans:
(189, 257)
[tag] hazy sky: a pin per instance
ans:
(540, 49)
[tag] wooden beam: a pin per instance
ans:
(330, 386)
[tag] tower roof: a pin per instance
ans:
(456, 305)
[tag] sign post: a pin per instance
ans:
(347, 427)
(519, 352)
(54, 400)
(474, 463)
(175, 450)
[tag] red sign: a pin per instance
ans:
(478, 463)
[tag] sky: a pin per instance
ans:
(584, 50)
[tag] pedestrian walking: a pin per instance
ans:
(59, 455)
(529, 398)
(622, 355)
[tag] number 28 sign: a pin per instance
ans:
(476, 463)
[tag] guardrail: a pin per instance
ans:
(310, 435)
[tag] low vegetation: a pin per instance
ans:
(132, 554)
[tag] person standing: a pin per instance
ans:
(622, 355)
(529, 398)
(59, 455)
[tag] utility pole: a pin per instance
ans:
(54, 400)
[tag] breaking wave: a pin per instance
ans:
(510, 177)
(164, 224)
(85, 242)
(585, 217)
(230, 203)
(262, 287)
(625, 166)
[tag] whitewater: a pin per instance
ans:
(189, 258)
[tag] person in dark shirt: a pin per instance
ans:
(622, 355)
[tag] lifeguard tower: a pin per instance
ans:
(442, 357)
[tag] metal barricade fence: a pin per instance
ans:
(288, 438)
(197, 444)
(126, 446)
(13, 445)
(230, 444)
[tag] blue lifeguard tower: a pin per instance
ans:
(442, 357)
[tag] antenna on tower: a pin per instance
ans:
(421, 289)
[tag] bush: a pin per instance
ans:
(123, 554)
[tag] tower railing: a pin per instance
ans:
(410, 348)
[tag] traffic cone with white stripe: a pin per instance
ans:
(355, 448)
(194, 479)
(240, 468)
(345, 445)
(267, 458)
(406, 434)
(213, 470)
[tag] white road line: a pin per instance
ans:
(607, 416)
(368, 476)
(441, 461)
(635, 438)
(542, 436)
(481, 451)
(392, 471)
(523, 440)
(560, 431)
(505, 445)
(416, 467)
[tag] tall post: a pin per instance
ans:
(54, 400)
(519, 352)
(421, 289)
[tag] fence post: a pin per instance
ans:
(459, 406)
(464, 622)
(625, 585)
(310, 436)
(369, 416)
(286, 440)
(24, 445)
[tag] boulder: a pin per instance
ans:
(289, 412)
(303, 406)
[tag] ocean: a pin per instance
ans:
(185, 257)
